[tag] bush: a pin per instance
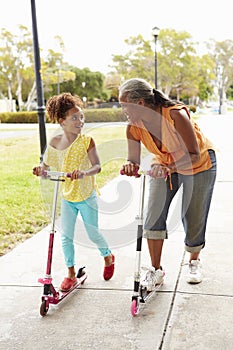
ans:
(91, 116)
(19, 117)
(104, 115)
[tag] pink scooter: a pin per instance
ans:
(51, 295)
(140, 293)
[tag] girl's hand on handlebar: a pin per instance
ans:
(77, 174)
(37, 170)
(130, 169)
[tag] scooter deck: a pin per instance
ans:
(55, 299)
(52, 296)
(140, 300)
(80, 281)
(145, 295)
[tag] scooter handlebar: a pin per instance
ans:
(49, 173)
(137, 174)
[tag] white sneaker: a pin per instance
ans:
(194, 274)
(152, 278)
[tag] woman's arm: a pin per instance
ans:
(134, 154)
(187, 138)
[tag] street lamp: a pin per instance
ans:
(155, 32)
(39, 86)
(84, 97)
(220, 88)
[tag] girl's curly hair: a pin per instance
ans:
(58, 105)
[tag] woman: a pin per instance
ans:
(181, 153)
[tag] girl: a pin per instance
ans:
(75, 153)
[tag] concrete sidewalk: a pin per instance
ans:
(97, 316)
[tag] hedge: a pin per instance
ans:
(91, 116)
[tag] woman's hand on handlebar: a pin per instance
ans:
(159, 171)
(130, 169)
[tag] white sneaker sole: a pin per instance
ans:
(193, 280)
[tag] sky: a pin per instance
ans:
(94, 30)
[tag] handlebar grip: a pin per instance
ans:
(136, 173)
(49, 173)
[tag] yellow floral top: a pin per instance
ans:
(69, 159)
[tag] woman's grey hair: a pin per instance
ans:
(134, 89)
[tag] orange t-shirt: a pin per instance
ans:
(172, 150)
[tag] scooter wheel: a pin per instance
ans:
(44, 308)
(134, 308)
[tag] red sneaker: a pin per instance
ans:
(67, 284)
(109, 270)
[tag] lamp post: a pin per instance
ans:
(155, 32)
(84, 97)
(39, 86)
(58, 77)
(220, 88)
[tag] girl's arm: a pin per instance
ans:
(43, 166)
(94, 159)
(39, 169)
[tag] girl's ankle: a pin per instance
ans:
(108, 260)
(71, 273)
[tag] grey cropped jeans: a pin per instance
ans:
(196, 199)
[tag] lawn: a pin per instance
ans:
(23, 208)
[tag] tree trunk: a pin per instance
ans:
(31, 96)
(19, 90)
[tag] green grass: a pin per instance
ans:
(112, 149)
(23, 210)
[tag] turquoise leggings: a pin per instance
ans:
(89, 212)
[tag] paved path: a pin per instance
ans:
(179, 317)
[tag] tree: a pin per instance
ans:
(137, 62)
(16, 59)
(182, 74)
(206, 77)
(17, 76)
(230, 93)
(87, 84)
(112, 83)
(177, 63)
(7, 64)
(221, 53)
(55, 70)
